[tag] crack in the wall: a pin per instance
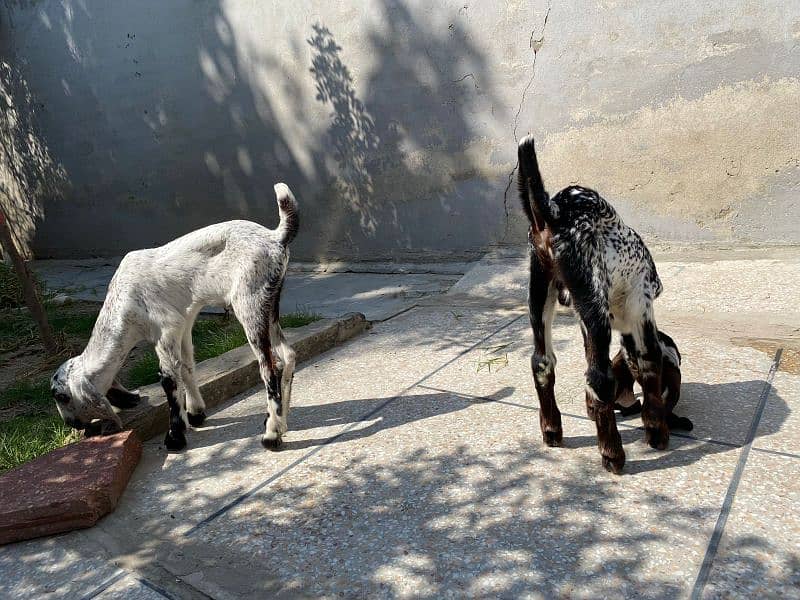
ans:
(536, 44)
(474, 81)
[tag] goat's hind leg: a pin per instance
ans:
(287, 357)
(257, 326)
(542, 296)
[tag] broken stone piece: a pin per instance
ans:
(69, 488)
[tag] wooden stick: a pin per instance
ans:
(28, 288)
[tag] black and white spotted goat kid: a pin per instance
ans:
(157, 293)
(580, 247)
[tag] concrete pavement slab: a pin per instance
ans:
(132, 587)
(378, 291)
(174, 491)
(481, 509)
(413, 470)
(719, 393)
(779, 430)
(56, 568)
(753, 285)
(759, 553)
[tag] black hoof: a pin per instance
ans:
(614, 465)
(271, 444)
(657, 437)
(681, 423)
(195, 420)
(627, 411)
(552, 438)
(175, 441)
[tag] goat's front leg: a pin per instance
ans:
(120, 397)
(600, 388)
(649, 359)
(542, 296)
(195, 406)
(168, 350)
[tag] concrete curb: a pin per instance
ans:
(226, 375)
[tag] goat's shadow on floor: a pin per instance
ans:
(723, 415)
(345, 421)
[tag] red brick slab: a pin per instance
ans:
(69, 488)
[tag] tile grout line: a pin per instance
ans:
(776, 452)
(152, 586)
(716, 536)
(221, 511)
(105, 585)
(122, 574)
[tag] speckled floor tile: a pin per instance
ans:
(779, 429)
(424, 488)
(58, 567)
(759, 553)
(463, 499)
(169, 493)
(719, 392)
(718, 286)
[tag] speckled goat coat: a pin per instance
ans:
(156, 295)
(580, 247)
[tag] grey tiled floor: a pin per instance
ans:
(413, 470)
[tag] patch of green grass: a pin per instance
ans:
(211, 337)
(17, 329)
(70, 322)
(39, 430)
(34, 394)
(23, 438)
(298, 319)
(144, 371)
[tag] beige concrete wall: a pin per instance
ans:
(396, 121)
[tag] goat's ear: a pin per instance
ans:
(98, 405)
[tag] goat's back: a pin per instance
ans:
(202, 267)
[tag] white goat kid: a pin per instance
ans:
(157, 293)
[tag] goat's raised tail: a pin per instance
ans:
(287, 208)
(535, 200)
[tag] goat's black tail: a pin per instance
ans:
(536, 202)
(287, 207)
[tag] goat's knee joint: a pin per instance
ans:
(168, 383)
(543, 368)
(600, 386)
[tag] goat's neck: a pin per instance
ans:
(104, 354)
